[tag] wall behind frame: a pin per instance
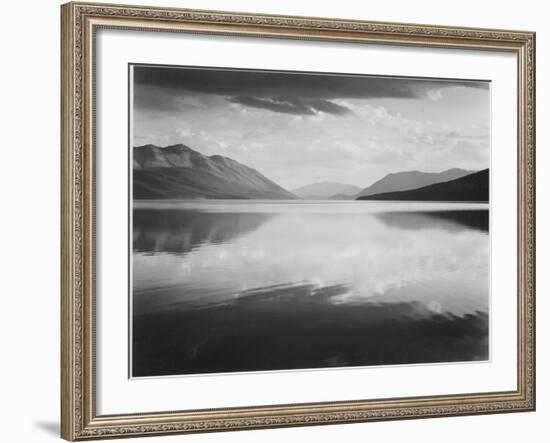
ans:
(29, 184)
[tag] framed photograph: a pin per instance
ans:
(282, 221)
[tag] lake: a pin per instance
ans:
(241, 285)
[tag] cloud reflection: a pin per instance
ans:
(230, 254)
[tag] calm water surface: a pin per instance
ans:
(225, 286)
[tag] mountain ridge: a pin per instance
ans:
(473, 187)
(406, 180)
(177, 171)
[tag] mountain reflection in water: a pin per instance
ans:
(222, 286)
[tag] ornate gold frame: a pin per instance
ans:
(79, 420)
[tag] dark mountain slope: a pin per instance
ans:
(473, 187)
(402, 181)
(180, 172)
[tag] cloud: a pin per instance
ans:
(184, 132)
(291, 105)
(435, 94)
(159, 99)
(155, 99)
(329, 107)
(265, 88)
(435, 137)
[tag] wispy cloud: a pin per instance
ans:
(292, 105)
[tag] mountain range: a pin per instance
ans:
(473, 187)
(325, 190)
(402, 181)
(178, 171)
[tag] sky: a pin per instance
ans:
(302, 128)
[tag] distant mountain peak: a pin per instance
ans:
(327, 182)
(456, 170)
(325, 190)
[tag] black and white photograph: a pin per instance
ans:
(286, 220)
